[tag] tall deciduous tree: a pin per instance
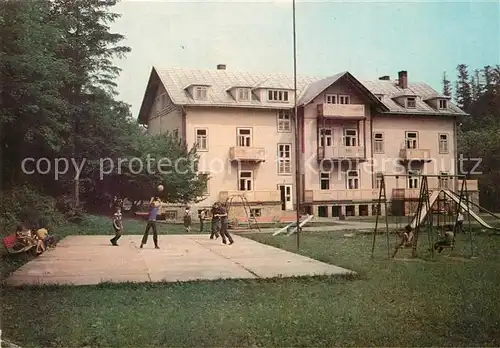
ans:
(31, 76)
(90, 47)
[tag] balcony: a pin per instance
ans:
(341, 153)
(252, 196)
(247, 154)
(311, 196)
(342, 111)
(423, 155)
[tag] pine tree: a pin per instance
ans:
(446, 86)
(476, 86)
(463, 95)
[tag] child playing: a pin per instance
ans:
(117, 226)
(447, 239)
(154, 208)
(187, 219)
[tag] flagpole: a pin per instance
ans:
(297, 132)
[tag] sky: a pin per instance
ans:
(367, 38)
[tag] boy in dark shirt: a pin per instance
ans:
(215, 221)
(117, 226)
(153, 213)
(222, 213)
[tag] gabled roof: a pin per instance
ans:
(423, 90)
(221, 82)
(318, 87)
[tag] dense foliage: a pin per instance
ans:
(478, 94)
(58, 100)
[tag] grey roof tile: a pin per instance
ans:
(176, 80)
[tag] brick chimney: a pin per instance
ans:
(403, 79)
(384, 78)
(221, 66)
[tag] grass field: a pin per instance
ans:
(446, 302)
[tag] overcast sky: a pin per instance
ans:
(368, 38)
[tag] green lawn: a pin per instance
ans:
(446, 302)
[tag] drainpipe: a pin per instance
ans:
(184, 124)
(371, 145)
(455, 148)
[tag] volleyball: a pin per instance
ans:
(160, 188)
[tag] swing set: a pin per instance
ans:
(424, 214)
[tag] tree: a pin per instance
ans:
(147, 165)
(31, 75)
(90, 47)
(446, 86)
(476, 86)
(463, 89)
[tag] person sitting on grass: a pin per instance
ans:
(447, 238)
(26, 238)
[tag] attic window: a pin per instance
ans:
(443, 104)
(411, 103)
(274, 95)
(243, 94)
(200, 93)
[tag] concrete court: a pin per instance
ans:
(87, 260)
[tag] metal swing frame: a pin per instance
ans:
(423, 201)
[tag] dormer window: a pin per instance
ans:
(201, 93)
(274, 95)
(443, 104)
(411, 103)
(243, 94)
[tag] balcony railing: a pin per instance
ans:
(311, 196)
(247, 154)
(342, 111)
(252, 196)
(415, 155)
(341, 152)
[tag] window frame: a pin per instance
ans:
(197, 89)
(240, 91)
(407, 138)
(378, 141)
(253, 210)
(282, 120)
(278, 96)
(441, 151)
(345, 137)
(349, 177)
(281, 161)
(332, 96)
(413, 176)
(345, 97)
(244, 136)
(414, 100)
(203, 149)
(247, 180)
(323, 138)
(324, 176)
(445, 101)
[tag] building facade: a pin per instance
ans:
(350, 133)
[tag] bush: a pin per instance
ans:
(72, 214)
(23, 204)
